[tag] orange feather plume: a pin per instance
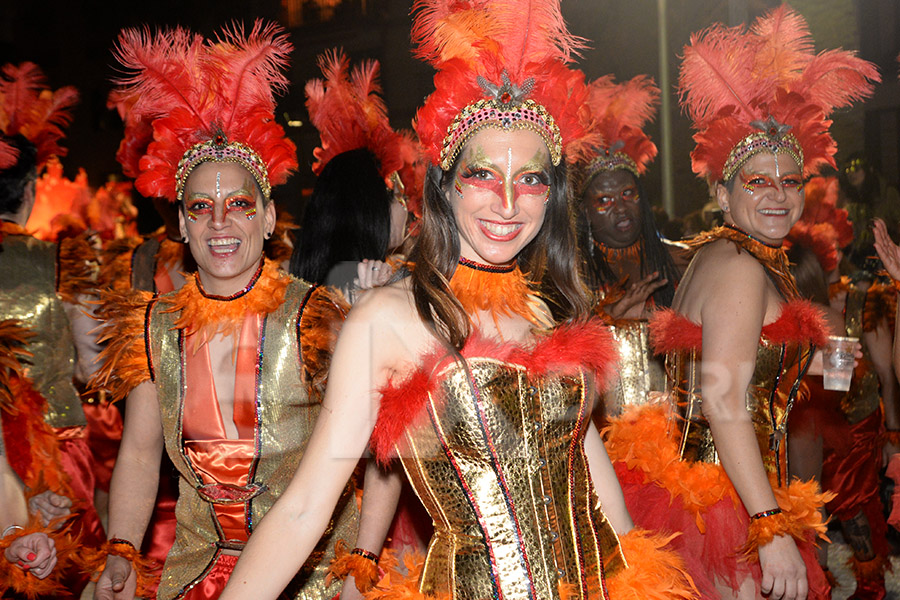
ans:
(31, 109)
(476, 42)
(188, 90)
(617, 113)
(349, 113)
(732, 79)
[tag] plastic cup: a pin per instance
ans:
(839, 358)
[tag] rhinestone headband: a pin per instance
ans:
(219, 149)
(607, 161)
(773, 137)
(507, 109)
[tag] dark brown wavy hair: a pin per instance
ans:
(549, 260)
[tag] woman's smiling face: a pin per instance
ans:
(499, 193)
(225, 221)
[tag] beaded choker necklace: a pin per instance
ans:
(630, 253)
(772, 258)
(499, 290)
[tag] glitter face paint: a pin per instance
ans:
(603, 204)
(531, 180)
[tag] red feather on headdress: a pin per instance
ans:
(823, 227)
(188, 90)
(8, 155)
(617, 113)
(731, 77)
(465, 40)
(349, 113)
(29, 108)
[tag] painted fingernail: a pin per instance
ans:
(26, 567)
(20, 563)
(31, 556)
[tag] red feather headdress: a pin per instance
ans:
(823, 227)
(349, 113)
(766, 90)
(618, 113)
(31, 109)
(500, 63)
(204, 101)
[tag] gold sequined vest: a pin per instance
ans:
(639, 371)
(28, 272)
(285, 421)
(499, 464)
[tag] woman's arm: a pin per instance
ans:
(133, 488)
(381, 492)
(365, 352)
(734, 304)
(609, 492)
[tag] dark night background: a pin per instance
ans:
(71, 41)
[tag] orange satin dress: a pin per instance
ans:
(223, 464)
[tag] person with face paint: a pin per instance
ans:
(712, 464)
(458, 371)
(628, 266)
(224, 372)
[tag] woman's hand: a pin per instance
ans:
(52, 508)
(632, 304)
(887, 250)
(372, 273)
(118, 580)
(783, 570)
(35, 553)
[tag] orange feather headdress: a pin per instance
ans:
(766, 90)
(618, 112)
(31, 109)
(500, 63)
(349, 113)
(203, 101)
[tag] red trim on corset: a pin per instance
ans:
(799, 321)
(588, 345)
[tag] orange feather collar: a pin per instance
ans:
(498, 290)
(210, 315)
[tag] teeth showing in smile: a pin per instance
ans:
(224, 244)
(500, 229)
(778, 212)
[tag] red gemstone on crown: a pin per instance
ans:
(505, 97)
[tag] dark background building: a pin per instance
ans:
(71, 41)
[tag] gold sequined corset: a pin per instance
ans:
(639, 371)
(783, 355)
(28, 293)
(498, 460)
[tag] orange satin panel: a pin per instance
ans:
(224, 461)
(215, 458)
(202, 417)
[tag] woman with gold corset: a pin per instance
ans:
(457, 372)
(712, 465)
(224, 372)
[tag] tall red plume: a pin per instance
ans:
(731, 77)
(347, 109)
(187, 89)
(29, 108)
(527, 40)
(617, 113)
